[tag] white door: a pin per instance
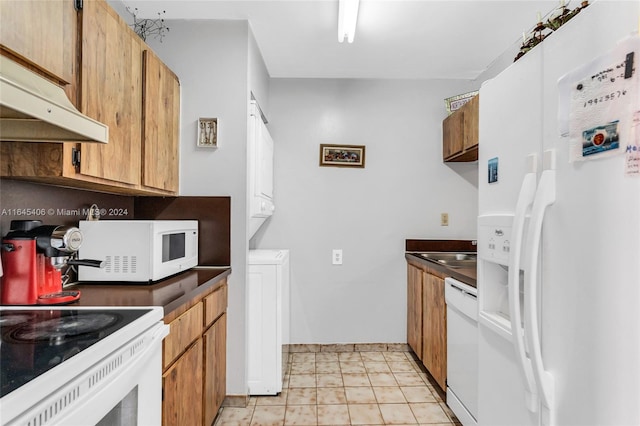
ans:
(264, 330)
(591, 247)
(268, 320)
(510, 130)
(264, 185)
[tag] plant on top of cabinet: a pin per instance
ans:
(146, 27)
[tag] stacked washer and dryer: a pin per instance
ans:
(268, 277)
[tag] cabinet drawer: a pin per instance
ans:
(183, 330)
(215, 304)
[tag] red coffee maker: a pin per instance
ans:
(35, 261)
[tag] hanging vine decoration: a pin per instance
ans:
(148, 27)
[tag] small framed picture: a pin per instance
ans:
(208, 132)
(342, 155)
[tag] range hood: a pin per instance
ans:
(32, 109)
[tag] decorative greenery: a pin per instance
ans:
(148, 27)
(558, 18)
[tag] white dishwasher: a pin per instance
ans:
(462, 350)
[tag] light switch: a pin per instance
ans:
(444, 219)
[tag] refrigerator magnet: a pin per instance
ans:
(600, 139)
(493, 170)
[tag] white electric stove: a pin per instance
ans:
(81, 366)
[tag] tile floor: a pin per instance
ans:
(347, 388)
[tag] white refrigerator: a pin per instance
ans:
(559, 228)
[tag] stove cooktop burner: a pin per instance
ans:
(62, 328)
(33, 341)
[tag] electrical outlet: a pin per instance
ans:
(444, 219)
(336, 257)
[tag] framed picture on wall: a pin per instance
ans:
(207, 132)
(342, 155)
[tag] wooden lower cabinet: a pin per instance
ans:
(182, 331)
(414, 309)
(182, 389)
(215, 367)
(194, 360)
(434, 332)
(427, 320)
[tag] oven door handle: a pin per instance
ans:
(160, 332)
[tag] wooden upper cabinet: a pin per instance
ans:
(452, 134)
(141, 156)
(161, 124)
(471, 123)
(460, 133)
(51, 47)
(112, 93)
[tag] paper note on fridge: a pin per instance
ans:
(632, 150)
(602, 97)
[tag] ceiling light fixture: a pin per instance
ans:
(347, 17)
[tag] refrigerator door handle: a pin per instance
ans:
(525, 199)
(545, 197)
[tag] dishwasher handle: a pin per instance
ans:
(460, 286)
(461, 297)
(463, 291)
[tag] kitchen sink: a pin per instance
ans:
(451, 260)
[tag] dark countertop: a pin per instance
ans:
(440, 245)
(175, 294)
(465, 275)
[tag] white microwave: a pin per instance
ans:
(138, 250)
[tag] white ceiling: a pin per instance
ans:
(416, 39)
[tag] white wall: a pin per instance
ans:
(366, 212)
(499, 64)
(258, 76)
(211, 59)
